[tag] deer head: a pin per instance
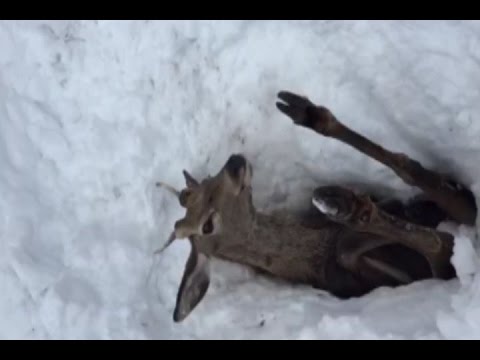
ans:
(218, 208)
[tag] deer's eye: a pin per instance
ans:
(208, 226)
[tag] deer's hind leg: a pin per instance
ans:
(418, 211)
(353, 254)
(451, 197)
(384, 242)
(377, 261)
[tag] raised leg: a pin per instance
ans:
(457, 201)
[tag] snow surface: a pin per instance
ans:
(92, 114)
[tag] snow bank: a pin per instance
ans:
(92, 114)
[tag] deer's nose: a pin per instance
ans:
(234, 164)
(182, 229)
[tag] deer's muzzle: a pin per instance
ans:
(235, 164)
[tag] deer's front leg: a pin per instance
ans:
(305, 113)
(456, 200)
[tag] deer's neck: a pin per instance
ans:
(276, 229)
(279, 244)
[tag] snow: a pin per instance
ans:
(93, 114)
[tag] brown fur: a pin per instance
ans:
(359, 246)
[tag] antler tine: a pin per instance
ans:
(167, 244)
(168, 187)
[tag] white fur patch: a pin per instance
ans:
(324, 208)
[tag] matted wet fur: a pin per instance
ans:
(347, 243)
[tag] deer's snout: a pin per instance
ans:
(183, 229)
(235, 164)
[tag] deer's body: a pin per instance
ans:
(282, 245)
(346, 243)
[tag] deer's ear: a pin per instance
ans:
(189, 179)
(194, 284)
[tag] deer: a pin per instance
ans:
(346, 243)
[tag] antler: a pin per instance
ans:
(172, 237)
(167, 244)
(168, 187)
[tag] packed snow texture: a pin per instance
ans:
(93, 113)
